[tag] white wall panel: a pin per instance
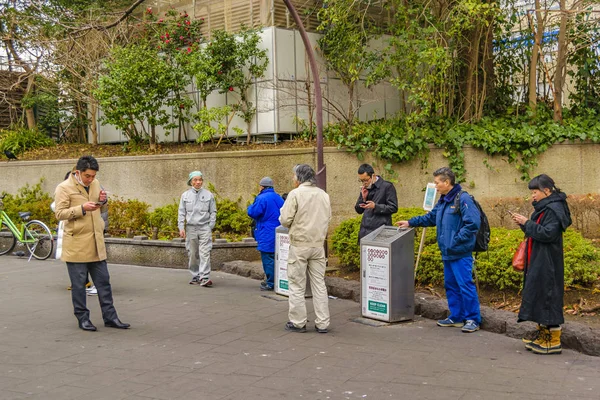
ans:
(287, 107)
(338, 96)
(372, 101)
(267, 44)
(393, 103)
(284, 54)
(266, 122)
(108, 133)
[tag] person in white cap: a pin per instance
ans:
(265, 211)
(196, 219)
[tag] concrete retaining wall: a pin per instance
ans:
(160, 180)
(159, 253)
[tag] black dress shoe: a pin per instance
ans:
(116, 323)
(87, 325)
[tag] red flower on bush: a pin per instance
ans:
(189, 49)
(149, 10)
(160, 21)
(231, 88)
(187, 22)
(180, 37)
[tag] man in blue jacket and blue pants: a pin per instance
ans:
(265, 211)
(456, 233)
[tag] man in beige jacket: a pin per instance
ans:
(79, 201)
(306, 212)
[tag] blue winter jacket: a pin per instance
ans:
(265, 211)
(456, 230)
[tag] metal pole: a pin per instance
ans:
(321, 172)
(420, 250)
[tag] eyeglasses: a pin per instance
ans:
(365, 180)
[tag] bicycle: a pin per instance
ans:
(35, 235)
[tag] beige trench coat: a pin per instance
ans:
(83, 237)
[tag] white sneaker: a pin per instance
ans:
(92, 291)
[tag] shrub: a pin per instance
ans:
(124, 214)
(22, 139)
(165, 219)
(344, 241)
(232, 220)
(32, 199)
(582, 260)
(494, 267)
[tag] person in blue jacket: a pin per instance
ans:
(265, 211)
(456, 233)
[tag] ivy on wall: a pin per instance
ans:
(519, 139)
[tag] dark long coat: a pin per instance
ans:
(543, 285)
(383, 194)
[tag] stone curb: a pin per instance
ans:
(575, 335)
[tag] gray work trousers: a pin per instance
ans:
(198, 243)
(78, 272)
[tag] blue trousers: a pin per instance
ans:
(461, 291)
(268, 262)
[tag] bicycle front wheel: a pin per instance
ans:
(7, 239)
(39, 239)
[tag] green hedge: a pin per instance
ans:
(232, 221)
(32, 199)
(494, 269)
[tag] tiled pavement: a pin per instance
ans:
(228, 342)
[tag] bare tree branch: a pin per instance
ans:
(124, 16)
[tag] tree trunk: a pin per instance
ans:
(80, 116)
(248, 124)
(561, 62)
(535, 52)
(152, 138)
(29, 114)
(350, 117)
(94, 121)
(472, 75)
(489, 75)
(179, 131)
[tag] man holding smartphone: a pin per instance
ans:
(79, 201)
(377, 201)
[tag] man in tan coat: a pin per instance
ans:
(306, 212)
(79, 201)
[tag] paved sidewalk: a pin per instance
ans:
(228, 342)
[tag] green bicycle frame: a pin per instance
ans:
(20, 235)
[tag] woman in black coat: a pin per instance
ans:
(543, 282)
